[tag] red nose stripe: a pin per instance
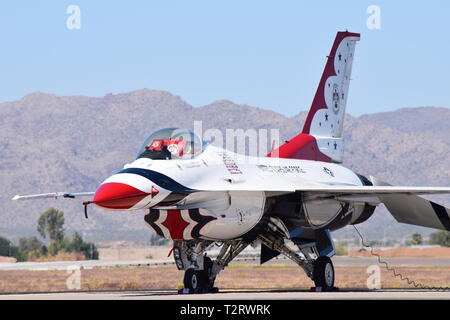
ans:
(114, 195)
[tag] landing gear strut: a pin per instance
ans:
(306, 254)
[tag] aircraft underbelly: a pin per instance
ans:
(218, 222)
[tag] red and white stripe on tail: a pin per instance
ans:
(321, 137)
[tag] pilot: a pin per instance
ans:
(156, 154)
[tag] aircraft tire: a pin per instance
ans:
(193, 279)
(323, 272)
(198, 280)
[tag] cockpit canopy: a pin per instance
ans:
(171, 143)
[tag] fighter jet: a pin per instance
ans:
(200, 195)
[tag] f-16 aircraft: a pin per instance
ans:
(200, 195)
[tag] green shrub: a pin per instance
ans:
(441, 238)
(341, 250)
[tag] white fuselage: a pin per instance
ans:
(232, 188)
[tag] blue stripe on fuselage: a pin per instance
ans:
(160, 179)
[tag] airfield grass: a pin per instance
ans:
(239, 276)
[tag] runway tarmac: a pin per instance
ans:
(229, 294)
(238, 294)
(339, 261)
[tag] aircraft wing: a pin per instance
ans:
(375, 190)
(52, 195)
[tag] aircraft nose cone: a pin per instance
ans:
(116, 195)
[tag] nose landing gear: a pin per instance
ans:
(200, 281)
(199, 270)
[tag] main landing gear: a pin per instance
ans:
(307, 254)
(199, 270)
(323, 273)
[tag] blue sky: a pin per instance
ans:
(268, 54)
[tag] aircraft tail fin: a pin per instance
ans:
(321, 137)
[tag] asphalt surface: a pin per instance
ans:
(229, 294)
(241, 294)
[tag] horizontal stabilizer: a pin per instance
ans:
(415, 210)
(411, 209)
